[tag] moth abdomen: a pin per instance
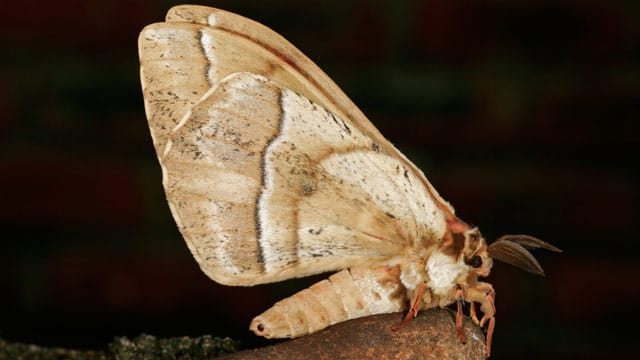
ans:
(348, 294)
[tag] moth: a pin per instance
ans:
(272, 173)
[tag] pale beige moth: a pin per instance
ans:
(271, 173)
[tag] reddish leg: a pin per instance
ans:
(413, 312)
(473, 314)
(492, 325)
(489, 307)
(459, 329)
(490, 316)
(484, 294)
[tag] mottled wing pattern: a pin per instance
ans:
(267, 185)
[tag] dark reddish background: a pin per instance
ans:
(524, 114)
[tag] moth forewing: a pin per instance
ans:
(260, 198)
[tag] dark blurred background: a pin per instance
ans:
(523, 114)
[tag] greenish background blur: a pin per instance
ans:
(523, 114)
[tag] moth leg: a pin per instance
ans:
(484, 294)
(413, 311)
(473, 314)
(459, 315)
(490, 328)
(490, 301)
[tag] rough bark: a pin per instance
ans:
(431, 335)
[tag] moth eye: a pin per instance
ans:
(476, 261)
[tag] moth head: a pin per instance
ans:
(512, 249)
(475, 254)
(467, 244)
